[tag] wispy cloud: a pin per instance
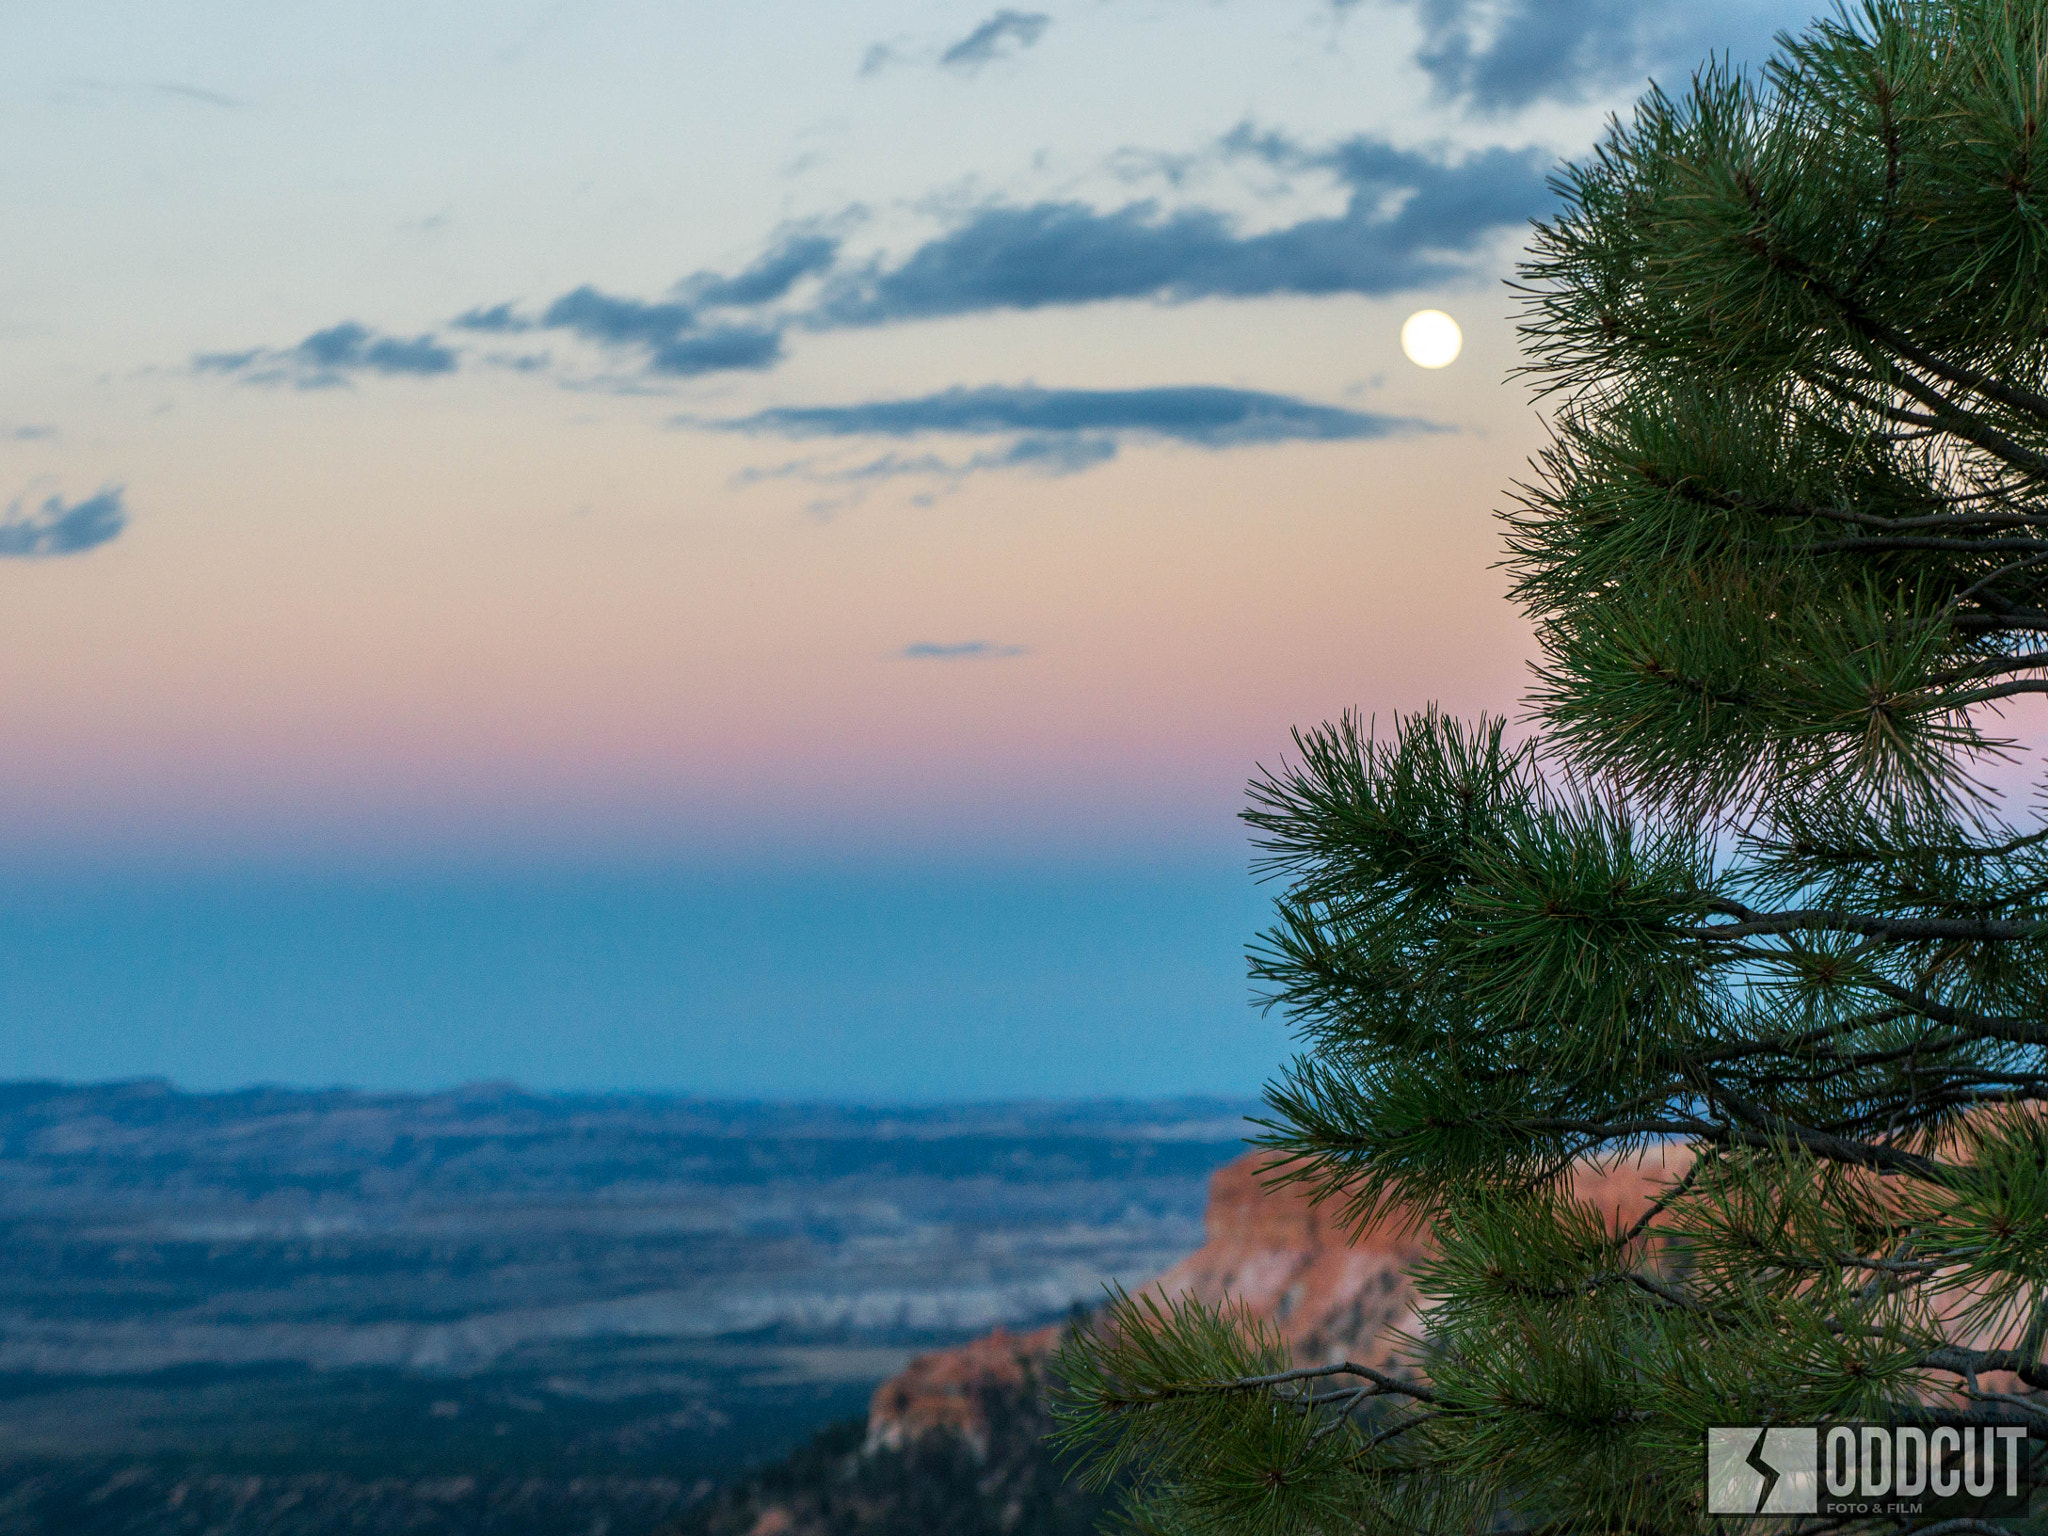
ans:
(1208, 415)
(673, 333)
(668, 332)
(613, 321)
(171, 88)
(1500, 57)
(1048, 454)
(332, 356)
(958, 650)
(770, 277)
(1410, 220)
(497, 319)
(57, 527)
(1006, 32)
(1051, 432)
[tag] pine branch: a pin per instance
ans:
(1980, 1026)
(1378, 1379)
(2000, 691)
(1890, 930)
(1765, 1133)
(1996, 667)
(1787, 552)
(1961, 1361)
(1891, 543)
(1661, 1204)
(2004, 391)
(1971, 428)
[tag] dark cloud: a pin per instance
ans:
(1211, 416)
(1411, 220)
(602, 318)
(500, 319)
(957, 650)
(59, 528)
(1498, 58)
(329, 357)
(729, 347)
(669, 329)
(349, 345)
(1006, 31)
(1070, 253)
(769, 278)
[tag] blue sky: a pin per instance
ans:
(736, 547)
(822, 981)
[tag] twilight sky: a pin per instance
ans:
(735, 547)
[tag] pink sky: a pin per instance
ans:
(519, 590)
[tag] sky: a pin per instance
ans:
(736, 548)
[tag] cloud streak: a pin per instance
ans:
(1006, 32)
(674, 334)
(669, 333)
(1050, 455)
(165, 88)
(1051, 432)
(721, 350)
(769, 278)
(1041, 254)
(56, 527)
(958, 650)
(611, 321)
(496, 320)
(1209, 416)
(332, 357)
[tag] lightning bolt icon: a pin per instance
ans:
(1756, 1460)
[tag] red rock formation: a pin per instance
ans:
(953, 1389)
(1331, 1296)
(1290, 1262)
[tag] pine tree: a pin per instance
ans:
(1749, 889)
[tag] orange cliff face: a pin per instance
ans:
(1290, 1262)
(953, 1390)
(1330, 1295)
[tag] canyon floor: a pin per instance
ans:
(501, 1312)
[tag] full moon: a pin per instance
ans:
(1431, 338)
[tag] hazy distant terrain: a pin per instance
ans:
(490, 1283)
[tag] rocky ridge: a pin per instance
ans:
(1276, 1253)
(973, 1419)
